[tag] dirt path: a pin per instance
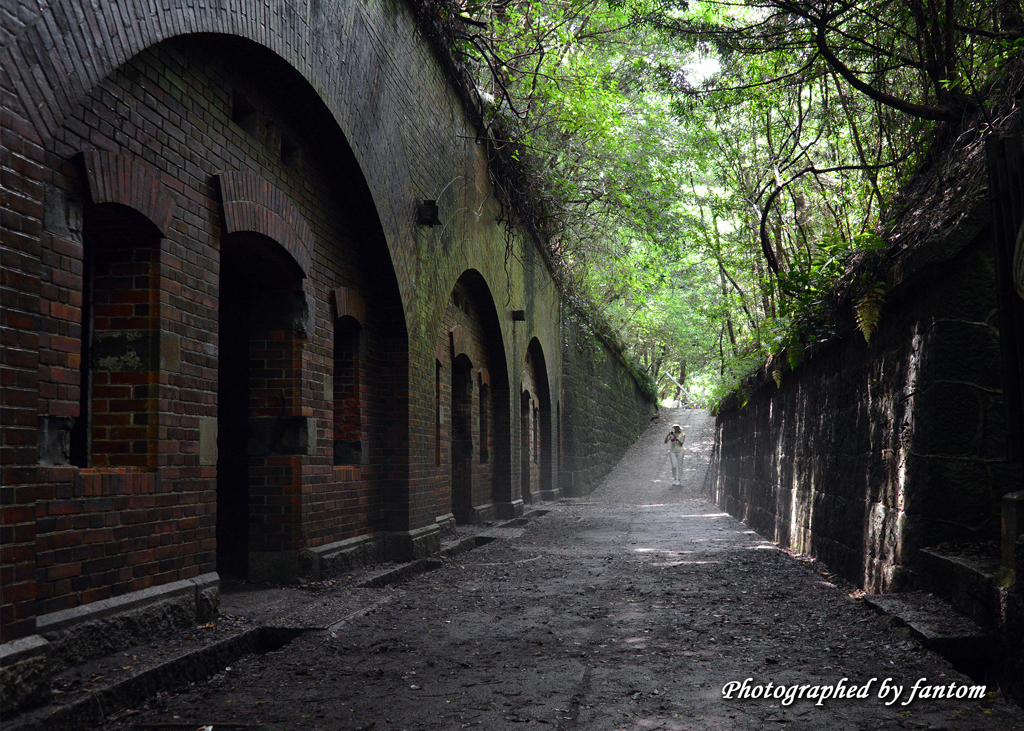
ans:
(630, 609)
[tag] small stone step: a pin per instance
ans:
(966, 577)
(935, 624)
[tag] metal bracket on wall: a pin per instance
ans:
(427, 213)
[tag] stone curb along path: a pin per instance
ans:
(86, 695)
(641, 606)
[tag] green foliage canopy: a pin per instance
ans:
(703, 173)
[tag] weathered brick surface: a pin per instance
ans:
(868, 452)
(603, 411)
(192, 198)
(470, 385)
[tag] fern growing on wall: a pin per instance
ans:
(795, 354)
(868, 310)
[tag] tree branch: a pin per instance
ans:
(766, 244)
(938, 114)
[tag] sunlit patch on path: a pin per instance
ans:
(631, 609)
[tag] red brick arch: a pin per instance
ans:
(347, 302)
(52, 54)
(132, 183)
(255, 205)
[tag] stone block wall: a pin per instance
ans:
(603, 409)
(867, 452)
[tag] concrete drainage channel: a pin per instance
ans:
(199, 665)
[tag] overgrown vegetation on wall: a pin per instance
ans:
(704, 174)
(604, 408)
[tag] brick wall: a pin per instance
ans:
(193, 206)
(603, 410)
(144, 404)
(21, 160)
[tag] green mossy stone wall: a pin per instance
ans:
(869, 451)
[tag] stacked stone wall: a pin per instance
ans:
(867, 452)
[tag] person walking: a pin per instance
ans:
(675, 441)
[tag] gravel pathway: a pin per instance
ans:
(637, 607)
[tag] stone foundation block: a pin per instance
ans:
(25, 672)
(341, 556)
(508, 511)
(414, 544)
(111, 625)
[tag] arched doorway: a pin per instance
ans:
(313, 370)
(541, 424)
(472, 430)
(258, 427)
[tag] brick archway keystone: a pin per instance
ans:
(252, 203)
(132, 183)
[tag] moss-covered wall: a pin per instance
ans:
(867, 452)
(603, 409)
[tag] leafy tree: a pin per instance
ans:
(707, 217)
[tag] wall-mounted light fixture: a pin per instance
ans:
(519, 315)
(427, 214)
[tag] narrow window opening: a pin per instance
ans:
(291, 151)
(116, 426)
(348, 428)
(273, 140)
(245, 115)
(485, 405)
